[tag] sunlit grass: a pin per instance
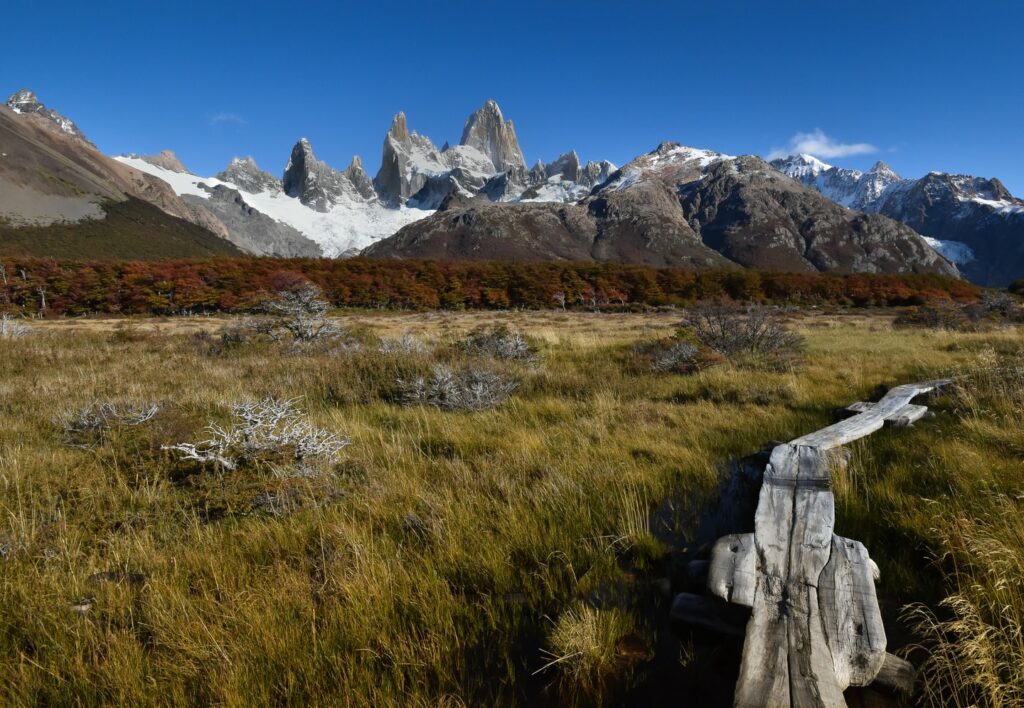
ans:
(451, 555)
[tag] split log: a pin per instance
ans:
(786, 658)
(897, 674)
(815, 626)
(850, 614)
(733, 572)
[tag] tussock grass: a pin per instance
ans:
(423, 569)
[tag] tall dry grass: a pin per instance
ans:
(436, 562)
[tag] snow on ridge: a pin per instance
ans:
(1000, 206)
(350, 225)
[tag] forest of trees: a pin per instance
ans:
(170, 287)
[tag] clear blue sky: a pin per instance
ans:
(922, 85)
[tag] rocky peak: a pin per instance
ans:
(802, 166)
(313, 182)
(594, 173)
(489, 132)
(167, 160)
(244, 173)
(883, 170)
(26, 102)
(399, 130)
(356, 174)
(567, 165)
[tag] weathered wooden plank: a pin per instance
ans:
(907, 415)
(896, 674)
(732, 574)
(869, 421)
(815, 626)
(850, 613)
(786, 660)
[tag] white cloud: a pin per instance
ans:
(226, 117)
(820, 145)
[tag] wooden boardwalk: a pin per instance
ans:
(815, 626)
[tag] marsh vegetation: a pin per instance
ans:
(369, 544)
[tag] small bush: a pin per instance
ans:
(500, 343)
(731, 330)
(267, 432)
(671, 356)
(88, 426)
(12, 329)
(472, 389)
(406, 344)
(301, 315)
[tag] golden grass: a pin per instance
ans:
(452, 555)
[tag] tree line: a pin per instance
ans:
(171, 287)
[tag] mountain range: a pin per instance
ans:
(479, 200)
(973, 221)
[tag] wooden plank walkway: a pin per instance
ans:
(815, 626)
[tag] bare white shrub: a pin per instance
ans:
(500, 343)
(469, 390)
(406, 344)
(12, 329)
(86, 427)
(263, 431)
(301, 314)
(674, 357)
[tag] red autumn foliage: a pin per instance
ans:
(241, 284)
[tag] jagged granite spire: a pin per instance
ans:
(359, 179)
(489, 132)
(315, 183)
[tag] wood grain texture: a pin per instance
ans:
(850, 614)
(732, 574)
(815, 626)
(869, 421)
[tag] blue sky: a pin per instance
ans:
(922, 85)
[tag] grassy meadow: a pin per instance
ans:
(522, 554)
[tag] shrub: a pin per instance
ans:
(672, 356)
(268, 431)
(500, 343)
(731, 330)
(301, 314)
(10, 329)
(88, 426)
(470, 390)
(406, 344)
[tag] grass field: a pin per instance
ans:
(524, 554)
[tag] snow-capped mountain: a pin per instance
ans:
(675, 206)
(347, 223)
(343, 211)
(973, 221)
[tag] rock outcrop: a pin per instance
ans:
(313, 182)
(26, 102)
(489, 132)
(247, 176)
(167, 160)
(251, 230)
